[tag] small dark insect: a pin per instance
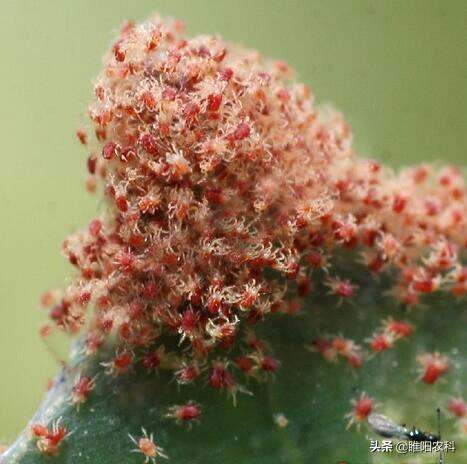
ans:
(387, 428)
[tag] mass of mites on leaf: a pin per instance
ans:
(227, 190)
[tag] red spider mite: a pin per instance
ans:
(219, 376)
(433, 366)
(325, 348)
(269, 364)
(92, 343)
(245, 364)
(362, 408)
(82, 136)
(242, 131)
(341, 288)
(39, 430)
(57, 434)
(458, 407)
(342, 345)
(381, 342)
(185, 413)
(315, 258)
(82, 388)
(187, 374)
(424, 283)
(120, 364)
(355, 359)
(398, 328)
(151, 361)
(49, 440)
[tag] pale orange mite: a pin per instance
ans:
(146, 446)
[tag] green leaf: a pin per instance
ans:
(312, 394)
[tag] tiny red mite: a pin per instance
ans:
(185, 413)
(361, 409)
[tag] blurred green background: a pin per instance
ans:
(396, 68)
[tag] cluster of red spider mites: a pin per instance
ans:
(220, 172)
(432, 366)
(333, 347)
(389, 332)
(48, 440)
